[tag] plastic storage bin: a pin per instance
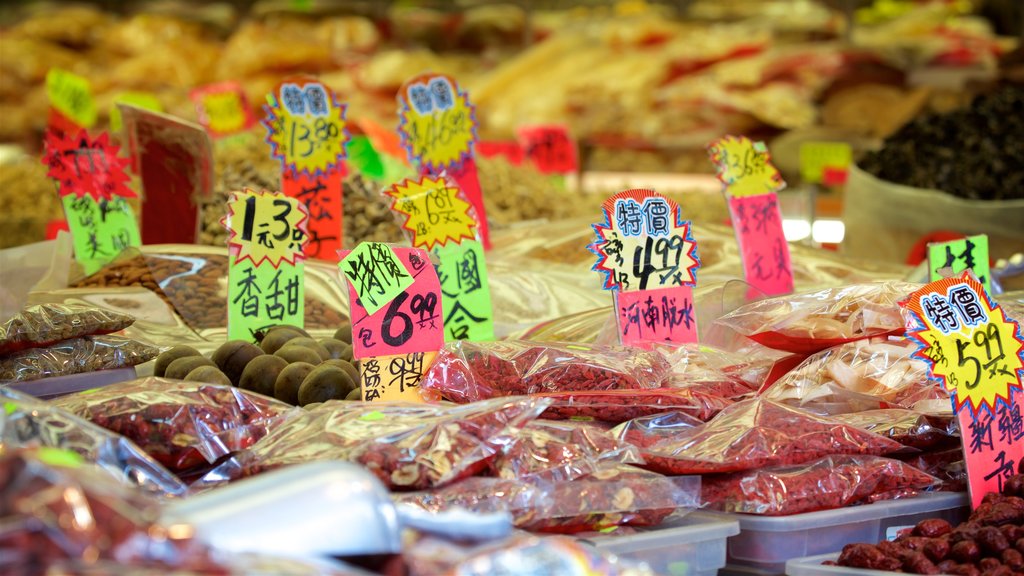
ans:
(811, 566)
(47, 388)
(690, 546)
(765, 543)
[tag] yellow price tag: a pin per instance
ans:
(438, 125)
(394, 377)
(435, 211)
(744, 166)
(815, 157)
(306, 127)
(71, 95)
(266, 226)
(143, 100)
(222, 108)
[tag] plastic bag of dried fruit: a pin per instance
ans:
(193, 280)
(105, 520)
(752, 434)
(908, 427)
(714, 371)
(469, 371)
(29, 423)
(558, 451)
(611, 496)
(183, 425)
(518, 554)
(947, 465)
(809, 323)
(45, 324)
(864, 375)
(407, 446)
(824, 484)
(75, 356)
(617, 406)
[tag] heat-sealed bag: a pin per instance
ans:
(407, 446)
(824, 484)
(864, 375)
(617, 406)
(753, 434)
(183, 425)
(75, 356)
(469, 371)
(29, 423)
(45, 324)
(947, 465)
(549, 450)
(612, 496)
(910, 428)
(715, 371)
(809, 323)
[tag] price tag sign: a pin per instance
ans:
(648, 257)
(394, 378)
(306, 128)
(510, 150)
(223, 109)
(84, 166)
(71, 95)
(978, 355)
(744, 166)
(364, 159)
(142, 100)
(435, 211)
(100, 229)
(825, 162)
(174, 161)
(375, 274)
(763, 247)
(953, 258)
(322, 195)
(551, 148)
(462, 270)
(266, 240)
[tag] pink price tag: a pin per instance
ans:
(993, 446)
(467, 178)
(551, 148)
(658, 315)
(763, 248)
(507, 149)
(412, 322)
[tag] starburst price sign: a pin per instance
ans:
(648, 257)
(435, 211)
(978, 355)
(744, 166)
(306, 127)
(266, 238)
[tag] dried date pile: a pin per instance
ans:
(990, 542)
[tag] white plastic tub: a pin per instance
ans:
(766, 543)
(811, 566)
(691, 546)
(47, 388)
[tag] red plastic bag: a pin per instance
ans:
(183, 425)
(616, 406)
(561, 451)
(809, 323)
(469, 371)
(825, 484)
(910, 428)
(407, 446)
(612, 496)
(753, 434)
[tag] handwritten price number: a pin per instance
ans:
(423, 306)
(304, 105)
(90, 155)
(988, 341)
(249, 221)
(435, 102)
(748, 163)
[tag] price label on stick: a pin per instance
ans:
(648, 257)
(551, 148)
(306, 128)
(223, 109)
(435, 211)
(395, 377)
(825, 162)
(266, 240)
(322, 195)
(953, 258)
(71, 95)
(140, 100)
(100, 229)
(977, 352)
(743, 166)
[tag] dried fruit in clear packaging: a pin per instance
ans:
(46, 324)
(75, 356)
(616, 406)
(549, 450)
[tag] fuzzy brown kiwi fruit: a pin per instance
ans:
(286, 387)
(310, 343)
(233, 356)
(355, 395)
(345, 365)
(167, 356)
(298, 354)
(344, 333)
(261, 374)
(337, 349)
(277, 338)
(182, 366)
(323, 384)
(209, 375)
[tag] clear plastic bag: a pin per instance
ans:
(864, 375)
(58, 509)
(714, 371)
(46, 324)
(617, 406)
(183, 425)
(947, 465)
(407, 446)
(29, 423)
(612, 496)
(809, 323)
(469, 371)
(825, 484)
(559, 451)
(75, 356)
(910, 428)
(753, 434)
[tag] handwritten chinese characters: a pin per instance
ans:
(744, 166)
(952, 258)
(438, 127)
(435, 211)
(100, 229)
(306, 128)
(85, 166)
(662, 315)
(462, 271)
(375, 274)
(395, 377)
(763, 246)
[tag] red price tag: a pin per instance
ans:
(550, 148)
(510, 150)
(763, 247)
(83, 166)
(322, 196)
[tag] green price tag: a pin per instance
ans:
(952, 258)
(376, 274)
(59, 457)
(100, 230)
(364, 158)
(467, 295)
(263, 296)
(10, 408)
(815, 157)
(72, 96)
(138, 99)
